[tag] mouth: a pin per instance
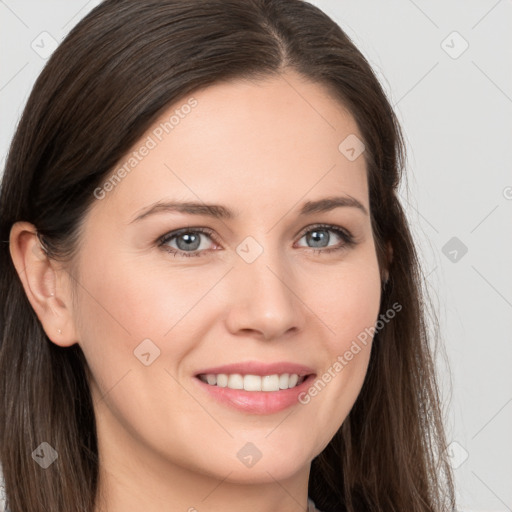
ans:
(249, 382)
(256, 387)
(255, 394)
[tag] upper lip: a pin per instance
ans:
(261, 369)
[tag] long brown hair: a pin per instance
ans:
(108, 81)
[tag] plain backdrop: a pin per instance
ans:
(446, 68)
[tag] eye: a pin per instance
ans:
(319, 236)
(187, 241)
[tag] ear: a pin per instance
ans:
(44, 283)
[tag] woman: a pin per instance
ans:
(211, 297)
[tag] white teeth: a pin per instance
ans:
(235, 381)
(292, 381)
(222, 380)
(270, 383)
(253, 382)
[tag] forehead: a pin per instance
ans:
(261, 145)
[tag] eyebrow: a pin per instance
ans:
(221, 212)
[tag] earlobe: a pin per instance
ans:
(39, 276)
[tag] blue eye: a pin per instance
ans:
(188, 240)
(320, 234)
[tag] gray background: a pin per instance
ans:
(455, 105)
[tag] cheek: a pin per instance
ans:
(349, 310)
(355, 310)
(347, 301)
(117, 311)
(353, 321)
(123, 304)
(128, 301)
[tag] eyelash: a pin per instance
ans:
(348, 239)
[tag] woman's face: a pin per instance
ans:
(262, 284)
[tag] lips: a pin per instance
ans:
(273, 396)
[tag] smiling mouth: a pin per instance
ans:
(275, 382)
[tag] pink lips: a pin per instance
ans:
(257, 402)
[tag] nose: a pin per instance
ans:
(263, 298)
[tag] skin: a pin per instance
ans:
(262, 150)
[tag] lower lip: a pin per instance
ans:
(257, 402)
